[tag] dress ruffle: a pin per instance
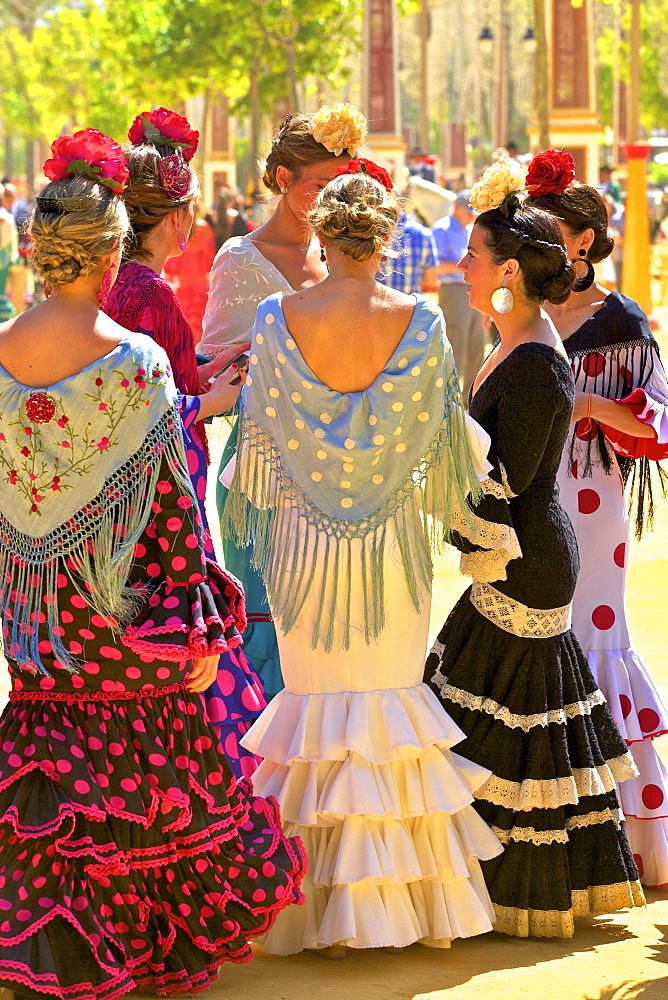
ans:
(532, 713)
(127, 811)
(180, 621)
(642, 716)
(384, 808)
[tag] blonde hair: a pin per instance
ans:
(294, 148)
(357, 216)
(69, 245)
(146, 200)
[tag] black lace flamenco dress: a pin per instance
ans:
(514, 678)
(130, 857)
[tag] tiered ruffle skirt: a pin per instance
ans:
(129, 856)
(534, 716)
(384, 809)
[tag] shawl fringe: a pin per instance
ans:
(300, 550)
(94, 549)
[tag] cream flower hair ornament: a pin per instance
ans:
(498, 186)
(340, 129)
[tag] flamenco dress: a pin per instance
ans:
(143, 302)
(348, 494)
(513, 677)
(130, 857)
(614, 354)
(241, 278)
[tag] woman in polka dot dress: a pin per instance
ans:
(142, 301)
(130, 857)
(621, 428)
(506, 662)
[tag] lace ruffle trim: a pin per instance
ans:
(529, 834)
(559, 923)
(517, 618)
(551, 793)
(476, 703)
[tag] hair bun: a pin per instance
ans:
(356, 216)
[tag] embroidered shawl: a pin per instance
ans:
(343, 464)
(79, 462)
(613, 353)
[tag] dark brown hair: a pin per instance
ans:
(580, 207)
(532, 238)
(294, 148)
(146, 200)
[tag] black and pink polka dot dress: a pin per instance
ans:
(143, 302)
(129, 854)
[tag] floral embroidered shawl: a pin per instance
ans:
(344, 463)
(78, 466)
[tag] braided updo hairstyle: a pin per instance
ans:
(69, 245)
(146, 199)
(580, 207)
(532, 238)
(357, 216)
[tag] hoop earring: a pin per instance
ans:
(502, 298)
(323, 255)
(181, 239)
(587, 279)
(105, 288)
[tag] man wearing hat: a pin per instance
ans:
(464, 324)
(420, 165)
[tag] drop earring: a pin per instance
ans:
(502, 298)
(323, 255)
(105, 287)
(587, 279)
(181, 239)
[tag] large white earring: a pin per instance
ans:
(502, 299)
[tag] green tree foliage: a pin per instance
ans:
(92, 62)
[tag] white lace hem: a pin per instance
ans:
(551, 793)
(514, 721)
(528, 834)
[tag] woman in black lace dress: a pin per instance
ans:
(506, 662)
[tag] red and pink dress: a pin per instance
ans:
(143, 302)
(615, 355)
(130, 857)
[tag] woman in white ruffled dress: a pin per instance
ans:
(350, 449)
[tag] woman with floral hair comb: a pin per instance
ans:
(280, 256)
(160, 198)
(619, 435)
(506, 663)
(129, 855)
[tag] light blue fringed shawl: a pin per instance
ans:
(79, 462)
(344, 463)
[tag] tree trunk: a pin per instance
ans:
(291, 68)
(541, 76)
(255, 129)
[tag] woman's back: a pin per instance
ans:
(347, 332)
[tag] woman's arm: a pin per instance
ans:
(612, 413)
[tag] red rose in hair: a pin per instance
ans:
(550, 173)
(90, 154)
(362, 166)
(165, 128)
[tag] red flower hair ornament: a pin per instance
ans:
(90, 154)
(163, 127)
(362, 166)
(550, 172)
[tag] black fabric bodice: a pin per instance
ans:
(525, 405)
